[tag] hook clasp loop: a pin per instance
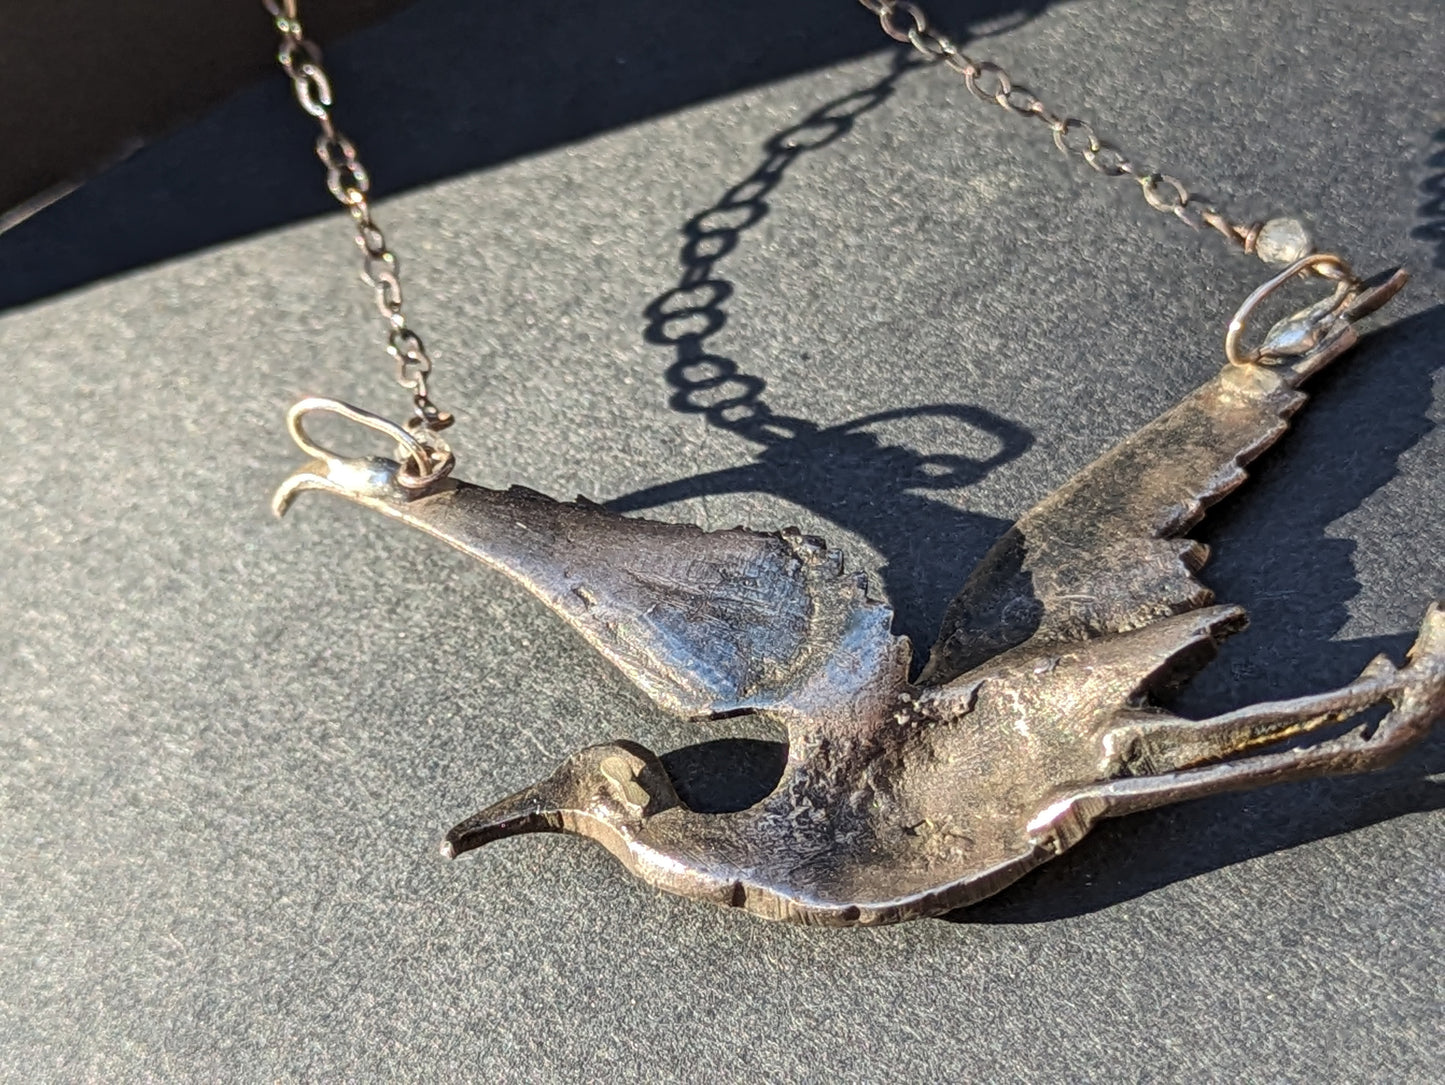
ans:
(421, 464)
(1314, 322)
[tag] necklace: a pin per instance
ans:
(1035, 714)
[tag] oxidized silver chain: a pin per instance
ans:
(348, 181)
(907, 22)
(1281, 242)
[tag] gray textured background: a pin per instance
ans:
(231, 744)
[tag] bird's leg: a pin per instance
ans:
(1416, 693)
(1149, 745)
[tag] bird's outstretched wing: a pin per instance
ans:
(1105, 553)
(706, 623)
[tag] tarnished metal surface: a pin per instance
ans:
(1032, 719)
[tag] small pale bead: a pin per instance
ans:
(1282, 241)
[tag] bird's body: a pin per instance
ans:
(930, 806)
(1034, 717)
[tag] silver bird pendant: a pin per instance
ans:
(1034, 717)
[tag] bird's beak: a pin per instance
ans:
(528, 811)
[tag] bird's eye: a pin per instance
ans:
(620, 774)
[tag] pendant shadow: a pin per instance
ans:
(1432, 207)
(727, 774)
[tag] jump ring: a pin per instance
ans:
(913, 11)
(1149, 182)
(988, 67)
(1073, 124)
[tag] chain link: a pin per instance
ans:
(348, 181)
(906, 22)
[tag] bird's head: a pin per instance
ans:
(605, 792)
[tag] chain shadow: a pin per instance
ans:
(1432, 207)
(1276, 554)
(848, 474)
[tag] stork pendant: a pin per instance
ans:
(1033, 718)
